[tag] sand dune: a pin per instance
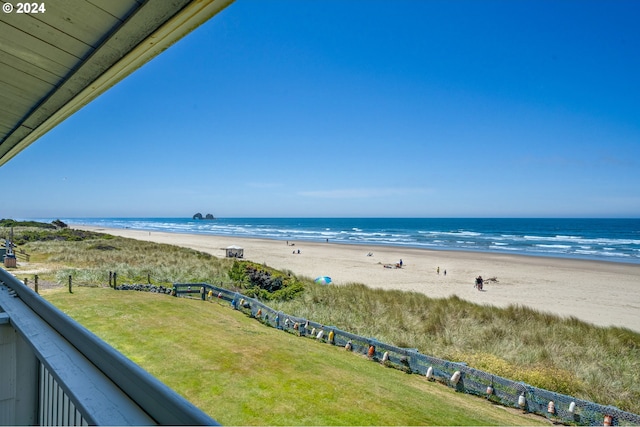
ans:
(602, 293)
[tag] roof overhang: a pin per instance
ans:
(54, 62)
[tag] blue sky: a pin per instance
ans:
(360, 108)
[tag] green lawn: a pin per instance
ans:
(242, 372)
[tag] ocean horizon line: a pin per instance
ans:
(47, 218)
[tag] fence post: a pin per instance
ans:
(26, 282)
(110, 276)
(70, 291)
(114, 279)
(148, 278)
(35, 279)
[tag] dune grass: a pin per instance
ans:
(563, 355)
(242, 372)
(90, 260)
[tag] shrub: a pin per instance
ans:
(25, 235)
(265, 283)
(14, 223)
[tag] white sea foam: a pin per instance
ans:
(554, 246)
(554, 238)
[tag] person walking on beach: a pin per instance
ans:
(438, 270)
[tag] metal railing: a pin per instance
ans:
(78, 378)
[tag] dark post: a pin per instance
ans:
(110, 275)
(35, 279)
(70, 291)
(26, 282)
(114, 279)
(148, 278)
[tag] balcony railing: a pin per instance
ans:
(53, 371)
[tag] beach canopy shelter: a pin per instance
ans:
(57, 56)
(235, 252)
(323, 280)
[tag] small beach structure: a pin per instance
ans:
(8, 255)
(234, 251)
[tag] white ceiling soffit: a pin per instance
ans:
(59, 59)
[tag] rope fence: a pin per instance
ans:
(558, 408)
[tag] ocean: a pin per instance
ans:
(616, 240)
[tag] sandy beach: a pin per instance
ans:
(602, 293)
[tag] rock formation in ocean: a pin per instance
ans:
(199, 216)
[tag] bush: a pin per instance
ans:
(14, 223)
(264, 283)
(43, 234)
